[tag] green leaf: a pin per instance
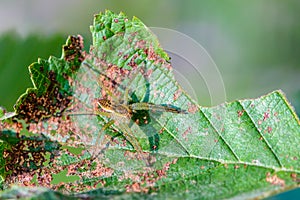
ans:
(242, 149)
(2, 112)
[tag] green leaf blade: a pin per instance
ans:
(278, 126)
(245, 148)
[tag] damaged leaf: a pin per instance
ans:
(64, 141)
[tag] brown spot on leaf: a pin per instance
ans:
(240, 113)
(135, 187)
(176, 95)
(144, 181)
(192, 108)
(73, 50)
(295, 158)
(186, 132)
(295, 178)
(35, 108)
(141, 44)
(163, 129)
(149, 73)
(269, 129)
(274, 180)
(266, 116)
(236, 167)
(28, 155)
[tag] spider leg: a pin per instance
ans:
(124, 128)
(101, 85)
(126, 92)
(106, 90)
(127, 132)
(99, 138)
(106, 114)
(156, 108)
(129, 136)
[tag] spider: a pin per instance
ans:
(121, 113)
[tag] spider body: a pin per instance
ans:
(123, 112)
(118, 109)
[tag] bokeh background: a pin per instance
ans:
(255, 44)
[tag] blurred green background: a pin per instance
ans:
(255, 44)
